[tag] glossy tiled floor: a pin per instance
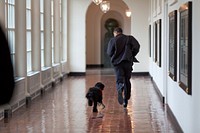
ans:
(64, 109)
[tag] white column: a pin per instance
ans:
(20, 41)
(63, 41)
(36, 48)
(20, 38)
(57, 30)
(64, 30)
(47, 33)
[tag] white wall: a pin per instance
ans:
(77, 34)
(158, 72)
(139, 29)
(93, 35)
(185, 107)
(196, 65)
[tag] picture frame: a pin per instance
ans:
(173, 45)
(149, 40)
(185, 47)
(155, 32)
(159, 41)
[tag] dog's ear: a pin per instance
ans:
(100, 85)
(89, 95)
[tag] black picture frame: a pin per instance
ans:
(155, 32)
(149, 40)
(173, 45)
(159, 41)
(185, 47)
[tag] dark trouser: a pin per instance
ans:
(123, 75)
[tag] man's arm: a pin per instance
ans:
(111, 47)
(135, 46)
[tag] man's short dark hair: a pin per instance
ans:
(118, 30)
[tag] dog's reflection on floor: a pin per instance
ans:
(100, 114)
(97, 115)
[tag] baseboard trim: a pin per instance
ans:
(64, 75)
(174, 120)
(77, 74)
(168, 110)
(94, 66)
(140, 74)
(162, 98)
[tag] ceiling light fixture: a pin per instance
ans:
(105, 6)
(97, 2)
(128, 13)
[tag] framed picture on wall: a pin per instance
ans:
(149, 40)
(155, 32)
(185, 47)
(159, 42)
(173, 45)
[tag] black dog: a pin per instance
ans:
(95, 95)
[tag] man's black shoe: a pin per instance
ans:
(125, 103)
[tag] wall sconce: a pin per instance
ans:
(97, 2)
(105, 6)
(128, 13)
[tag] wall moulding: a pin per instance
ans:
(172, 2)
(154, 7)
(159, 7)
(159, 10)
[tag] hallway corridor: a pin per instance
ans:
(64, 109)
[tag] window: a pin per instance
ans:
(42, 31)
(10, 26)
(28, 35)
(52, 30)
